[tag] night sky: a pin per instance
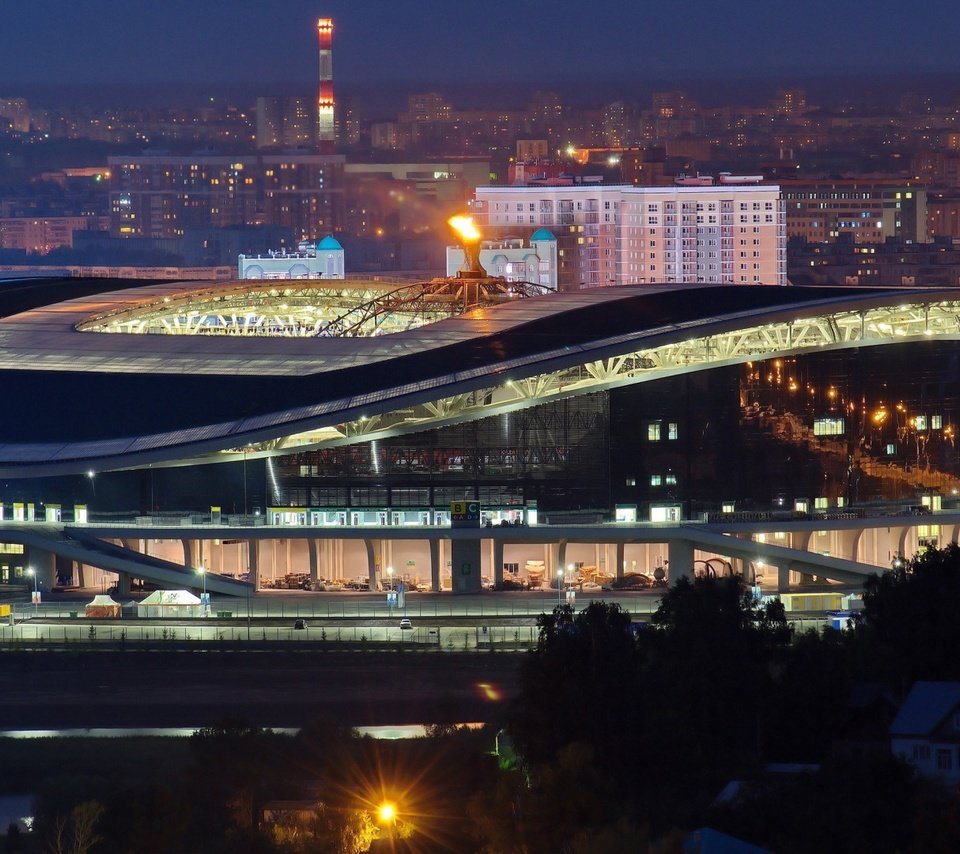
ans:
(231, 41)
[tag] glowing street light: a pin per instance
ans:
(560, 586)
(36, 598)
(202, 571)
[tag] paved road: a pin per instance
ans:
(281, 689)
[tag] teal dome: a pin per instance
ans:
(542, 234)
(329, 242)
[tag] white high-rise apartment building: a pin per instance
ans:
(624, 235)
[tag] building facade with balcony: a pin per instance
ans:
(620, 234)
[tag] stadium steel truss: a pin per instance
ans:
(515, 353)
(351, 308)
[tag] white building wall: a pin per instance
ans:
(535, 263)
(638, 235)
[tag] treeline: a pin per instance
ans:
(625, 739)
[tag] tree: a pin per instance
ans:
(76, 833)
(581, 685)
(713, 660)
(909, 628)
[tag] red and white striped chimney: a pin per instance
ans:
(326, 118)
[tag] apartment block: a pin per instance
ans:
(621, 234)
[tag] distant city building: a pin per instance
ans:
(162, 195)
(428, 107)
(16, 113)
(40, 235)
(619, 234)
(321, 261)
(669, 105)
(514, 260)
(892, 263)
(389, 136)
(286, 123)
(943, 215)
(619, 125)
(532, 149)
(790, 102)
(871, 210)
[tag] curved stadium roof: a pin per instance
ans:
(89, 400)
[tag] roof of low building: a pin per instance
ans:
(542, 234)
(925, 708)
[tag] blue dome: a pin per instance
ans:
(542, 234)
(329, 242)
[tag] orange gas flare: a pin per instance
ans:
(464, 226)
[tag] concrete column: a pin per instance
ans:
(371, 564)
(80, 574)
(561, 557)
(191, 556)
(497, 562)
(123, 584)
(253, 563)
(435, 553)
(621, 551)
(783, 577)
(312, 554)
(465, 564)
(680, 555)
(44, 565)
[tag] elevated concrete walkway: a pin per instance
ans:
(86, 548)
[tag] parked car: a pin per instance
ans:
(405, 623)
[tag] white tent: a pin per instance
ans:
(102, 606)
(170, 603)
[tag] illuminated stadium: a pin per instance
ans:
(585, 402)
(307, 309)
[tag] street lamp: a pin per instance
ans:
(202, 570)
(390, 577)
(560, 586)
(33, 574)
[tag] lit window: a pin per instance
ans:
(673, 430)
(653, 431)
(828, 426)
(670, 480)
(655, 480)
